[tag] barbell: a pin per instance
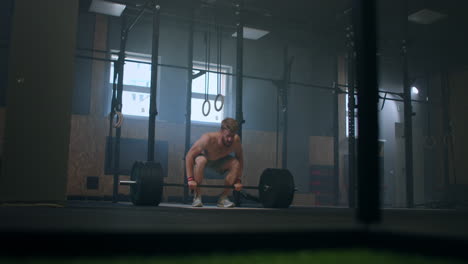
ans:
(276, 187)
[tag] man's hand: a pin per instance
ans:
(238, 186)
(192, 185)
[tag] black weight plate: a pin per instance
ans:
(276, 188)
(149, 187)
(135, 176)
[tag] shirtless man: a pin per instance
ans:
(212, 151)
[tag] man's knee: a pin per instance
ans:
(233, 169)
(200, 164)
(201, 161)
(235, 164)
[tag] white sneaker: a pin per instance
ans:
(225, 203)
(197, 202)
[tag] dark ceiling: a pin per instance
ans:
(330, 17)
(307, 15)
(318, 16)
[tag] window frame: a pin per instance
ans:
(200, 66)
(135, 57)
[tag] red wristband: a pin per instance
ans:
(238, 181)
(190, 179)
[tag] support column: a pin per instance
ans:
(408, 113)
(117, 106)
(368, 207)
(284, 106)
(351, 64)
(153, 111)
(188, 100)
(239, 65)
(40, 88)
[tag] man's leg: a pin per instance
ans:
(200, 164)
(233, 167)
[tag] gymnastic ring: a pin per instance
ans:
(119, 118)
(209, 107)
(222, 102)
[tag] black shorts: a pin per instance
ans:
(217, 165)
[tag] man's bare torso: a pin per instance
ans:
(214, 148)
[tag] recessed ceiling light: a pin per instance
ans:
(252, 33)
(425, 16)
(106, 8)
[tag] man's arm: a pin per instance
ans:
(239, 155)
(194, 151)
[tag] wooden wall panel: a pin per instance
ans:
(321, 151)
(87, 143)
(88, 133)
(259, 154)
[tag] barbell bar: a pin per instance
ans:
(201, 186)
(276, 187)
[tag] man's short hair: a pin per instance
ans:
(230, 124)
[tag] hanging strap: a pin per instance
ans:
(207, 78)
(116, 111)
(219, 97)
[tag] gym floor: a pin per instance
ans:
(104, 216)
(118, 228)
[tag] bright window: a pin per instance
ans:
(212, 87)
(137, 83)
